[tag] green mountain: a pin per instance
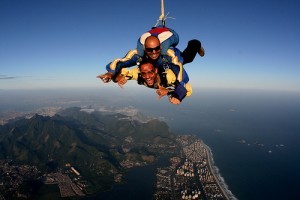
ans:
(96, 143)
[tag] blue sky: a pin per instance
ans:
(66, 43)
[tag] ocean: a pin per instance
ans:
(254, 136)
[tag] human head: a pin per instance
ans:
(148, 73)
(152, 47)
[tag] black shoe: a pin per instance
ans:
(201, 52)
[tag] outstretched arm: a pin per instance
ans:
(129, 60)
(124, 75)
(180, 92)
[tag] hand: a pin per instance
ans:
(161, 91)
(174, 100)
(121, 81)
(106, 77)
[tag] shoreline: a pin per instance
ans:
(217, 175)
(191, 175)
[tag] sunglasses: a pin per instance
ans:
(153, 49)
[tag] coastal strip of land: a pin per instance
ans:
(226, 192)
(191, 175)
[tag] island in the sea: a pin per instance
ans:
(79, 151)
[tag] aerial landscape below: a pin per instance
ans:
(79, 152)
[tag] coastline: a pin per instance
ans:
(192, 174)
(216, 173)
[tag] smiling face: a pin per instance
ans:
(152, 47)
(148, 73)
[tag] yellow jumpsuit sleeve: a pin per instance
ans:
(129, 56)
(130, 74)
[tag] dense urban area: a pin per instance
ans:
(190, 176)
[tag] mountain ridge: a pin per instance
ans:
(96, 143)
